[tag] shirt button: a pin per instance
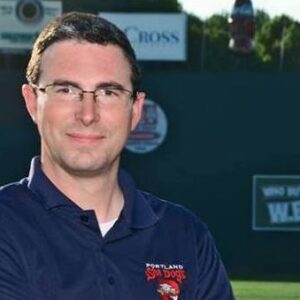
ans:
(84, 218)
(111, 280)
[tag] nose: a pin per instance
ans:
(88, 110)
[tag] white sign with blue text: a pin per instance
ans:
(153, 36)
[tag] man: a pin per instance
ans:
(77, 228)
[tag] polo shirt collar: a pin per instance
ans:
(40, 184)
(137, 211)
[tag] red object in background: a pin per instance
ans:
(242, 27)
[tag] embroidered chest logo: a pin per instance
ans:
(169, 279)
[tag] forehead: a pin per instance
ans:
(79, 61)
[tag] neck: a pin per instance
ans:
(100, 192)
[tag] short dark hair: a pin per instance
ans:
(82, 27)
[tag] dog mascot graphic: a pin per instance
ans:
(168, 289)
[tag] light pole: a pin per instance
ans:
(282, 48)
(203, 45)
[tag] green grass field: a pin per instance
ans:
(264, 290)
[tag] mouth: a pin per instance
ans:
(85, 138)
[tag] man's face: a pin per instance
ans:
(83, 138)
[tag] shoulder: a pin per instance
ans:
(12, 196)
(13, 190)
(175, 214)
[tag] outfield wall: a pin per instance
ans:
(222, 130)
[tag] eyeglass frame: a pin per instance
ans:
(132, 94)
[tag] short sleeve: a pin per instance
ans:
(13, 282)
(212, 282)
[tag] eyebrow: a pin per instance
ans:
(108, 84)
(65, 82)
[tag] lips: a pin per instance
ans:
(85, 137)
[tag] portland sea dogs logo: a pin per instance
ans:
(168, 289)
(169, 279)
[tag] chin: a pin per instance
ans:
(87, 166)
(83, 169)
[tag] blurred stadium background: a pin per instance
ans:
(230, 114)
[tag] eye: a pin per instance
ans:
(111, 92)
(63, 89)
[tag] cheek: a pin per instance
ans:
(49, 117)
(120, 121)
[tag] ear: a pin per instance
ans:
(137, 109)
(30, 98)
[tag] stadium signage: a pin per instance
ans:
(154, 36)
(22, 20)
(276, 202)
(151, 131)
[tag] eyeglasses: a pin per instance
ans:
(71, 93)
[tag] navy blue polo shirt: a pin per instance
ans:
(52, 249)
